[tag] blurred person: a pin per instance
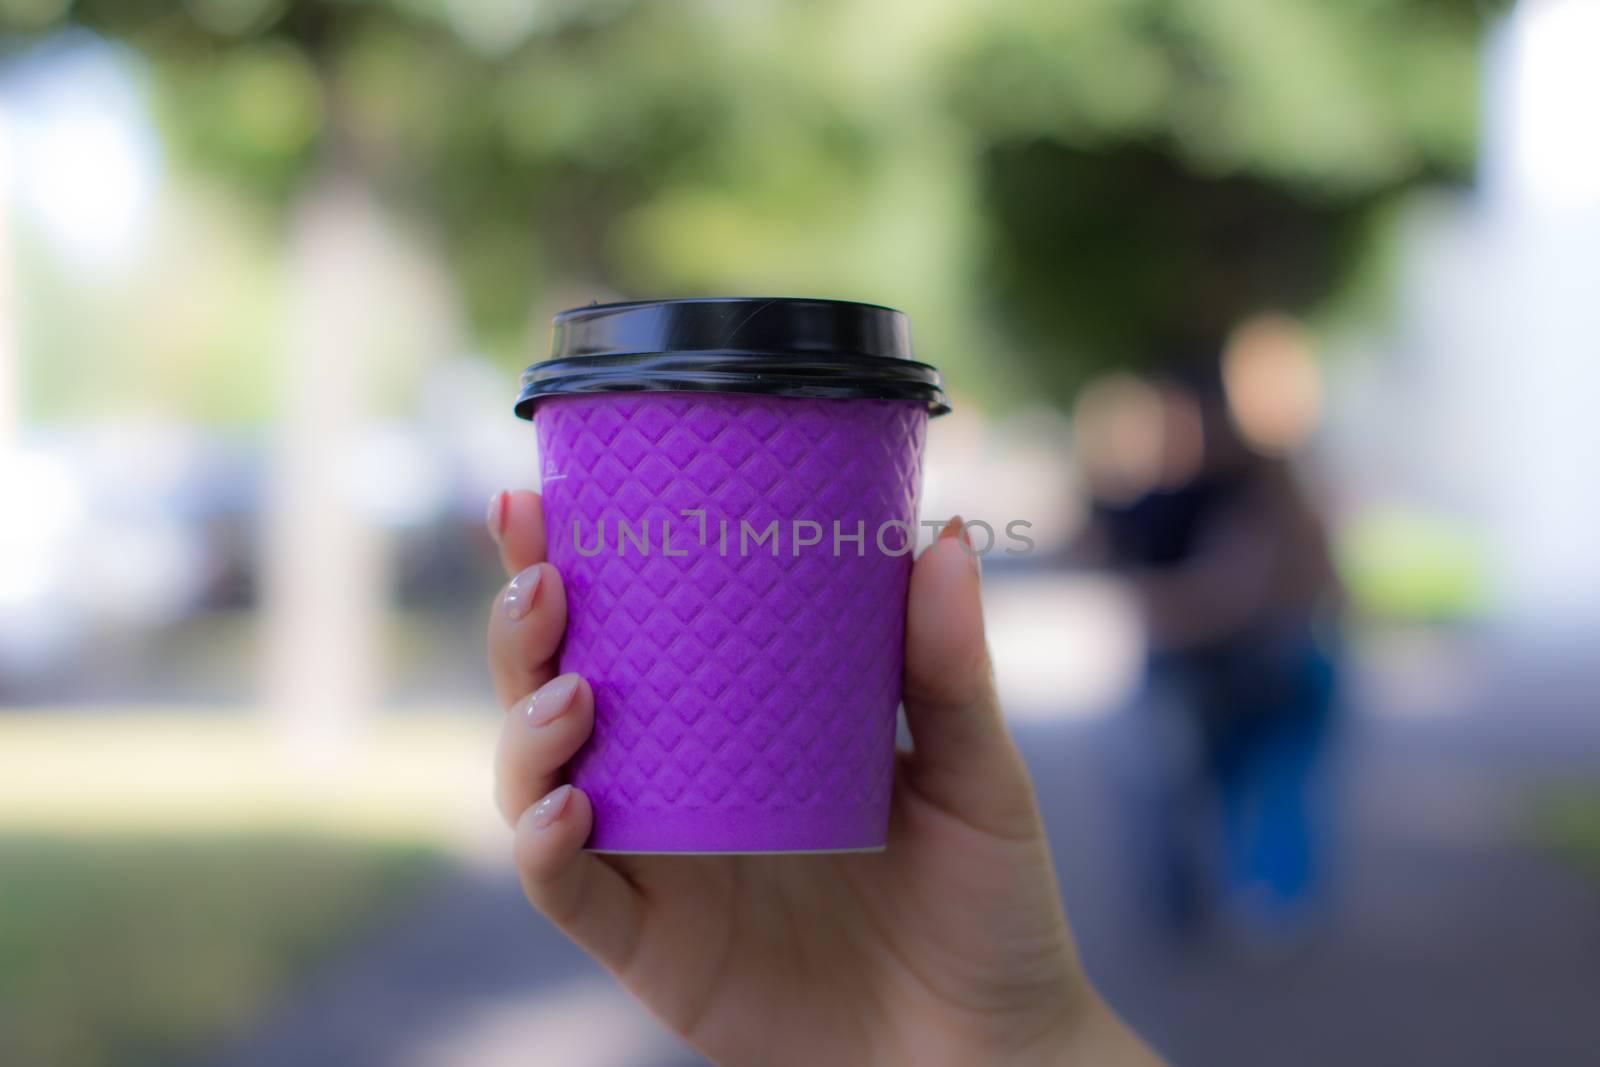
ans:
(1197, 507)
(950, 947)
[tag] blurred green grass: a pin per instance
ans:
(1568, 822)
(1407, 565)
(123, 949)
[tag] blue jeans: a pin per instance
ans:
(1240, 733)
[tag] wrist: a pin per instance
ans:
(1062, 1028)
(1095, 1035)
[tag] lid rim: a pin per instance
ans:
(928, 395)
(712, 359)
(568, 314)
(774, 346)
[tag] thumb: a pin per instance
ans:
(963, 759)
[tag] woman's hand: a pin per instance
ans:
(949, 947)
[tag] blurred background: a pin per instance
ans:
(1277, 319)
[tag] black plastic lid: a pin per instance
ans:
(777, 347)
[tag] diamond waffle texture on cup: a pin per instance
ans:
(729, 683)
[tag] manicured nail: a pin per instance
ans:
(519, 594)
(551, 700)
(957, 528)
(497, 516)
(548, 810)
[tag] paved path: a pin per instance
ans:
(1451, 942)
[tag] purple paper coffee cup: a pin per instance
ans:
(730, 494)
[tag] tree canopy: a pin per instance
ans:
(1059, 187)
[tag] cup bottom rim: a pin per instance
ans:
(736, 851)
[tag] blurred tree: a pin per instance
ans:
(1066, 186)
(1154, 170)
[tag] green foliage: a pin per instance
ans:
(1413, 567)
(1121, 256)
(254, 112)
(1342, 97)
(27, 15)
(1157, 169)
(1566, 820)
(1083, 174)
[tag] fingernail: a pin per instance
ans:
(497, 516)
(551, 700)
(957, 529)
(519, 594)
(550, 808)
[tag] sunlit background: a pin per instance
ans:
(269, 270)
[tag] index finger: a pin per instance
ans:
(516, 522)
